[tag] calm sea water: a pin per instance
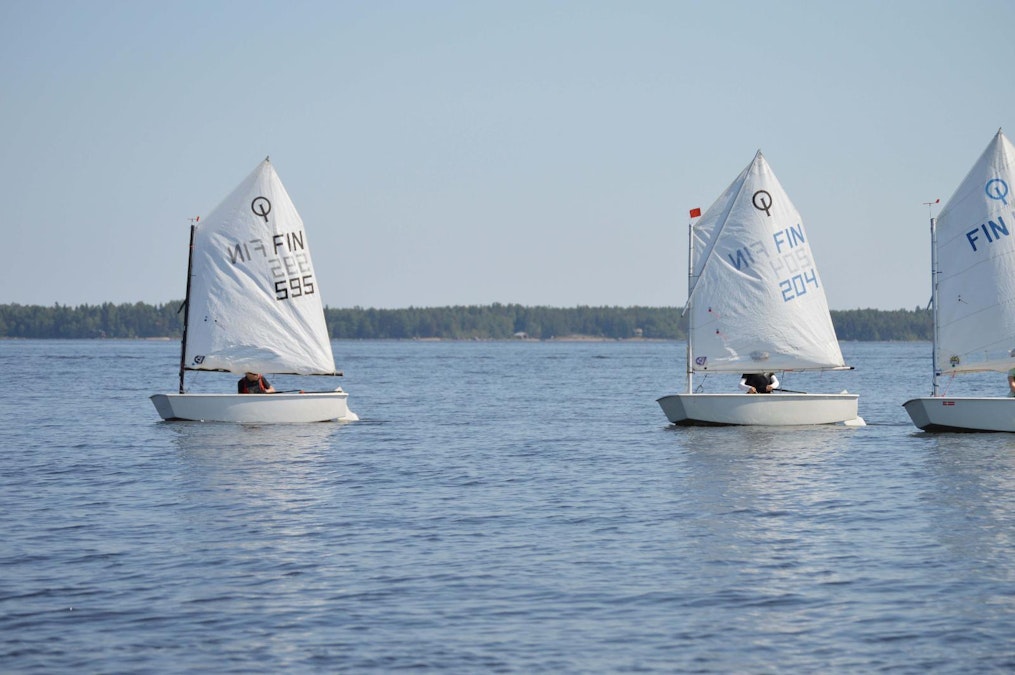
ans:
(501, 507)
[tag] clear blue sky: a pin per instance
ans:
(475, 152)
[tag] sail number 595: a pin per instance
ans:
(797, 284)
(294, 287)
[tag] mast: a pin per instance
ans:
(687, 307)
(186, 304)
(695, 213)
(933, 299)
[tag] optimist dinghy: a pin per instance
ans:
(973, 291)
(756, 304)
(254, 305)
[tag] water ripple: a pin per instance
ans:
(530, 514)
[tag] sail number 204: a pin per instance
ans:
(796, 285)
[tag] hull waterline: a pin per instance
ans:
(761, 410)
(256, 408)
(966, 414)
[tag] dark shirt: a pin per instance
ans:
(759, 381)
(245, 386)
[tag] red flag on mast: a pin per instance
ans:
(696, 213)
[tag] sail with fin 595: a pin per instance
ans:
(254, 305)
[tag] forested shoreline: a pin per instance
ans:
(462, 322)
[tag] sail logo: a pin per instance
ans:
(762, 201)
(992, 233)
(997, 189)
(261, 207)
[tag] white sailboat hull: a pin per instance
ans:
(962, 414)
(973, 295)
(760, 409)
(256, 408)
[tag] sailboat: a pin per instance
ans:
(254, 305)
(756, 304)
(973, 295)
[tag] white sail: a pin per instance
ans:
(976, 267)
(757, 301)
(255, 304)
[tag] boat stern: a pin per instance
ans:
(164, 406)
(673, 408)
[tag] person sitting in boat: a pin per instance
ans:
(759, 383)
(254, 383)
(1011, 377)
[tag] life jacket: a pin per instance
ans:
(248, 387)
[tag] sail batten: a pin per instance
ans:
(757, 302)
(255, 303)
(975, 240)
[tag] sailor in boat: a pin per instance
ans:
(1011, 377)
(254, 383)
(759, 383)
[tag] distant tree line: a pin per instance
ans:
(485, 322)
(871, 325)
(107, 320)
(500, 322)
